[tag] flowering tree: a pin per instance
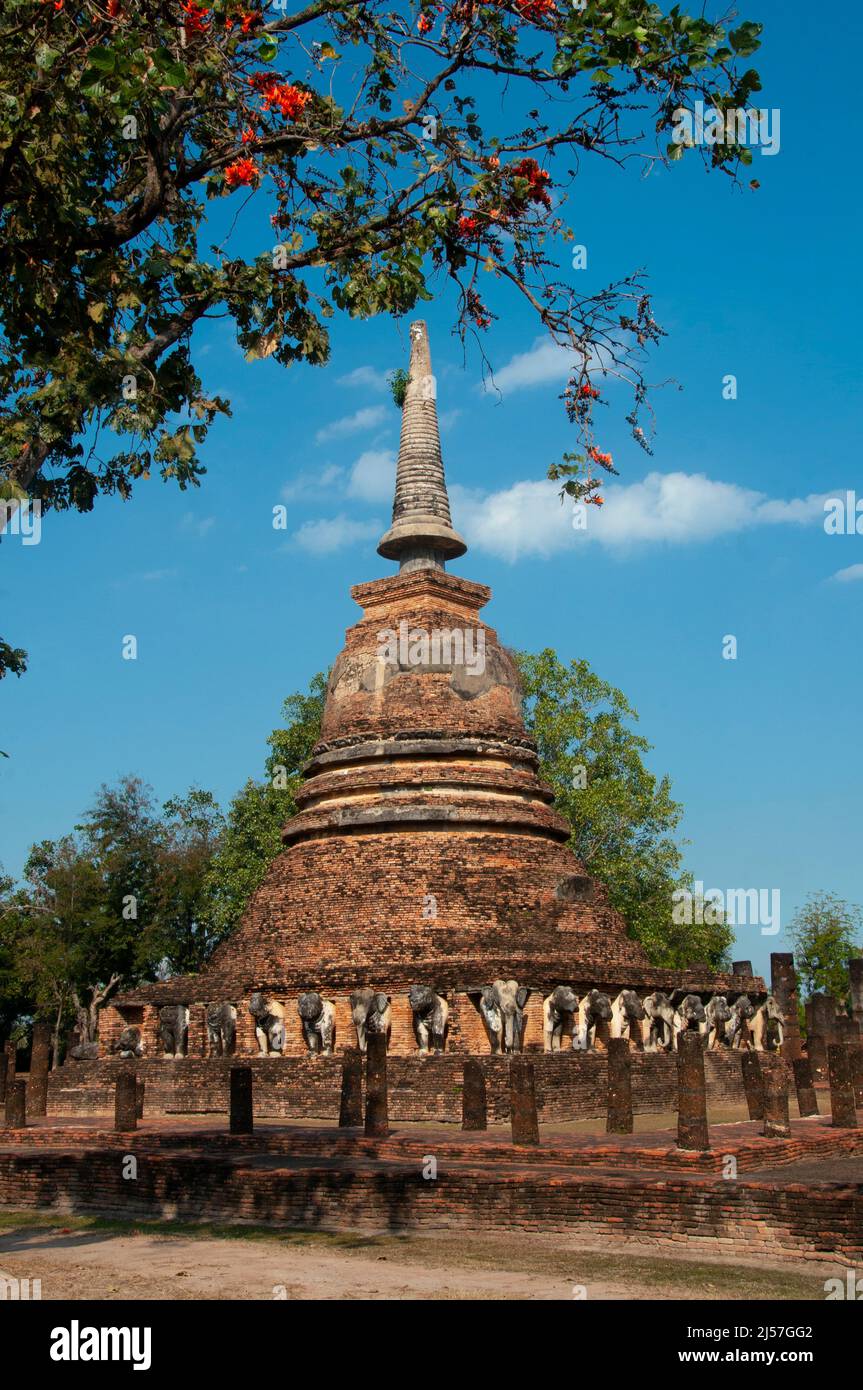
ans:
(358, 126)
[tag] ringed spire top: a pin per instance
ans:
(422, 534)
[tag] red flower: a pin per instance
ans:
(467, 226)
(537, 179)
(424, 24)
(240, 172)
(588, 391)
(253, 17)
(604, 459)
(290, 100)
(113, 8)
(247, 135)
(196, 16)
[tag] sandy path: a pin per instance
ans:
(92, 1263)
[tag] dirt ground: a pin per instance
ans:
(93, 1259)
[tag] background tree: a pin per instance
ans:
(826, 933)
(358, 128)
(622, 816)
(109, 904)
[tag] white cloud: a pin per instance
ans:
(369, 377)
(373, 476)
(848, 575)
(545, 361)
(335, 533)
(665, 508)
(448, 418)
(312, 484)
(365, 419)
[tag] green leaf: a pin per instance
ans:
(268, 49)
(675, 151)
(103, 59)
(46, 56)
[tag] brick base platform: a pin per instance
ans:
(632, 1190)
(569, 1086)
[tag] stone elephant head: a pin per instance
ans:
(502, 1005)
(129, 1043)
(269, 1019)
(717, 1013)
(768, 1027)
(558, 1007)
(595, 1008)
(430, 1014)
(370, 1011)
(174, 1029)
(318, 1019)
(690, 1008)
(222, 1029)
(660, 1021)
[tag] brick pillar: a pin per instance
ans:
(691, 1094)
(139, 1100)
(807, 1101)
(11, 1062)
(776, 1123)
(821, 1016)
(40, 1062)
(753, 1084)
(240, 1104)
(351, 1105)
(522, 1101)
(855, 1057)
(619, 1110)
(783, 986)
(474, 1102)
(816, 1050)
(126, 1101)
(741, 967)
(16, 1105)
(197, 1045)
(377, 1112)
(855, 970)
(842, 1110)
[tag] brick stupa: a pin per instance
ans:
(426, 847)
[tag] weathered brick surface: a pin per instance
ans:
(379, 1185)
(569, 1086)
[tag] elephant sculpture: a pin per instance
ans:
(174, 1029)
(269, 1019)
(595, 1008)
(559, 1013)
(502, 1007)
(129, 1043)
(371, 1014)
(627, 1017)
(84, 1052)
(430, 1013)
(222, 1029)
(690, 1014)
(660, 1024)
(737, 1030)
(768, 1026)
(717, 1013)
(318, 1018)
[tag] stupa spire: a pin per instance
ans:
(422, 535)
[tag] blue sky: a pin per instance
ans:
(721, 532)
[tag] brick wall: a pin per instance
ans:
(570, 1086)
